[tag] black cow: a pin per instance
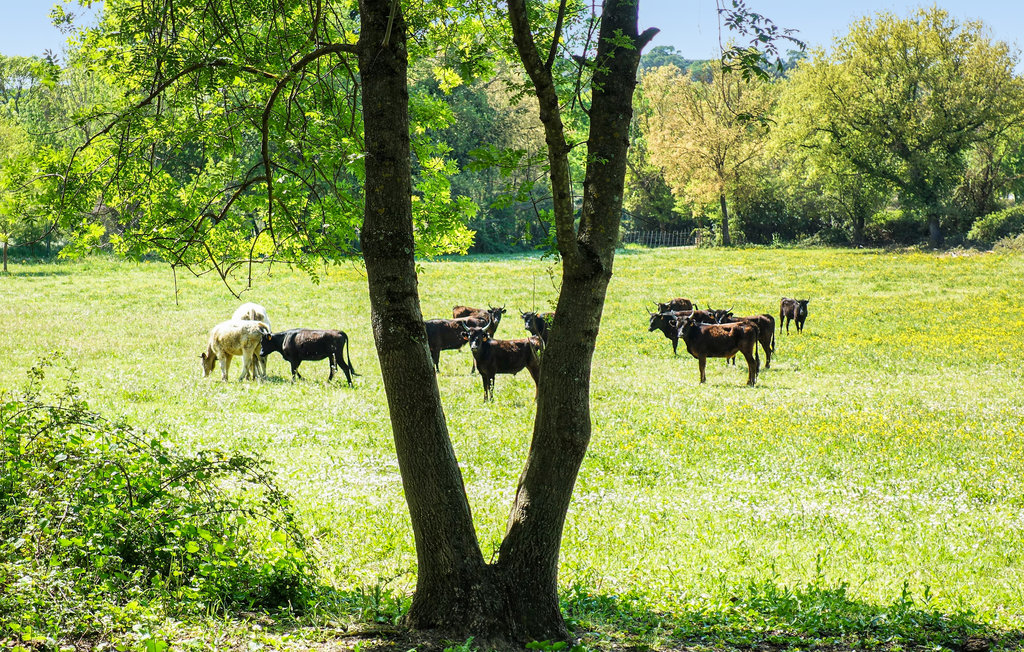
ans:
(538, 323)
(480, 315)
(705, 341)
(677, 304)
(793, 310)
(448, 335)
(299, 344)
(503, 357)
(765, 326)
(668, 323)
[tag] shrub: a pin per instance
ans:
(96, 516)
(895, 226)
(1001, 224)
(1010, 245)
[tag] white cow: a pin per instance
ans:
(255, 312)
(241, 337)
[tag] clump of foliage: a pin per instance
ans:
(996, 226)
(100, 521)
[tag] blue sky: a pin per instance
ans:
(691, 26)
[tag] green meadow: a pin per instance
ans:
(881, 455)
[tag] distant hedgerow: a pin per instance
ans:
(96, 515)
(1002, 224)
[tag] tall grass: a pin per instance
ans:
(883, 450)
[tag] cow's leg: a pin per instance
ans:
(295, 369)
(246, 366)
(675, 343)
(702, 362)
(334, 366)
(225, 366)
(485, 380)
(436, 357)
(751, 368)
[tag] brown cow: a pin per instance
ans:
(677, 304)
(705, 341)
(793, 310)
(766, 328)
(503, 357)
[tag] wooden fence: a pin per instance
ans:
(658, 238)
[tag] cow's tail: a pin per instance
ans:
(349, 358)
(773, 339)
(757, 346)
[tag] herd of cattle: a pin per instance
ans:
(706, 333)
(712, 333)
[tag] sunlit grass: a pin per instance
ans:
(885, 447)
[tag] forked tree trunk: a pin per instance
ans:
(456, 591)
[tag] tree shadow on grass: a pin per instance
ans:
(766, 616)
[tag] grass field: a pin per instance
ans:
(883, 451)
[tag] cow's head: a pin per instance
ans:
(209, 360)
(496, 313)
(684, 324)
(801, 308)
(478, 338)
(657, 319)
(528, 319)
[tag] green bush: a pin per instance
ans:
(995, 226)
(895, 226)
(96, 516)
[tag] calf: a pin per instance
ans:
(668, 323)
(705, 341)
(503, 357)
(299, 344)
(793, 310)
(676, 305)
(765, 327)
(254, 312)
(239, 337)
(538, 323)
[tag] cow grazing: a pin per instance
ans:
(503, 357)
(239, 337)
(676, 305)
(538, 323)
(255, 312)
(668, 323)
(299, 344)
(705, 341)
(765, 327)
(793, 310)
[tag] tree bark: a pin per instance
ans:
(451, 589)
(456, 591)
(5, 257)
(726, 241)
(528, 558)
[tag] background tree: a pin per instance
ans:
(904, 100)
(701, 133)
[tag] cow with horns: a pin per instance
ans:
(503, 357)
(705, 341)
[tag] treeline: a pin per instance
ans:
(906, 130)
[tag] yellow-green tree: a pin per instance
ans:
(903, 100)
(704, 134)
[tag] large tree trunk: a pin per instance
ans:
(726, 241)
(456, 591)
(450, 590)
